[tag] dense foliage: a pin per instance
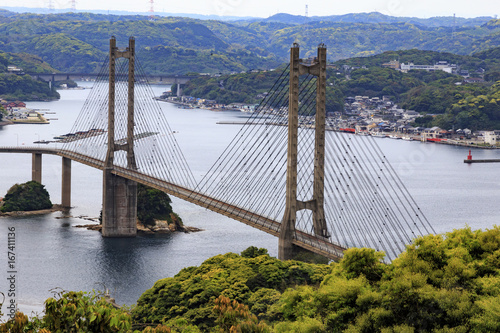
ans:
(2, 112)
(375, 17)
(249, 88)
(238, 88)
(23, 87)
(153, 204)
(441, 283)
(480, 110)
(26, 197)
(25, 61)
(254, 281)
(377, 82)
(488, 59)
(80, 42)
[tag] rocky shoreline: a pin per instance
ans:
(55, 208)
(161, 227)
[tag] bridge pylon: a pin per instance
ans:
(119, 212)
(286, 248)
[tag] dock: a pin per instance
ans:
(495, 160)
(469, 159)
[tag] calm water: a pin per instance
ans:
(53, 253)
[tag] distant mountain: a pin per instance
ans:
(126, 13)
(79, 41)
(375, 17)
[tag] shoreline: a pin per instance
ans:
(55, 208)
(146, 230)
(451, 142)
(5, 123)
(387, 135)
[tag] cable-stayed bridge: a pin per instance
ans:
(284, 172)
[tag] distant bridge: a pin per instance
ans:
(163, 78)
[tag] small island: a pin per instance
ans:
(154, 214)
(27, 197)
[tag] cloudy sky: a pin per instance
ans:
(265, 8)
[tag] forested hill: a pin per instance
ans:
(456, 104)
(363, 76)
(79, 41)
(375, 17)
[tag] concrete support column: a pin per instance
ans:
(119, 209)
(66, 183)
(319, 222)
(286, 248)
(36, 167)
(179, 90)
(287, 229)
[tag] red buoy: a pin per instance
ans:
(469, 157)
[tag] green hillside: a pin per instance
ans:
(23, 87)
(25, 61)
(79, 41)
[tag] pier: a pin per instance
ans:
(469, 159)
(495, 160)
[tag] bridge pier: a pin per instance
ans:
(66, 183)
(119, 208)
(179, 90)
(36, 167)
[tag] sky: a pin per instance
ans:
(266, 8)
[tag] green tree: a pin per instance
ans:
(26, 197)
(192, 293)
(152, 204)
(73, 312)
(234, 317)
(83, 312)
(2, 112)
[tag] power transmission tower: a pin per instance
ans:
(454, 27)
(151, 10)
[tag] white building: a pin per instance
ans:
(492, 137)
(440, 66)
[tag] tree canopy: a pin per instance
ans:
(23, 87)
(440, 283)
(26, 197)
(153, 204)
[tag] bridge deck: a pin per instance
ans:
(302, 239)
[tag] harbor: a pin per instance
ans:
(18, 113)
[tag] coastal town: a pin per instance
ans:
(374, 116)
(17, 113)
